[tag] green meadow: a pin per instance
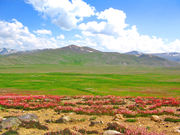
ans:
(107, 80)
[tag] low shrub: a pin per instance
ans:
(172, 120)
(131, 120)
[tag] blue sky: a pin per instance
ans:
(152, 17)
(142, 25)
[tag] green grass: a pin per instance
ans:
(67, 72)
(172, 120)
(93, 118)
(10, 132)
(122, 81)
(93, 69)
(2, 108)
(130, 120)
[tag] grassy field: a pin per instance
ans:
(47, 68)
(58, 80)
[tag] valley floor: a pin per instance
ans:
(121, 81)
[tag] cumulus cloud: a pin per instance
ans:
(112, 22)
(111, 32)
(174, 46)
(78, 36)
(60, 36)
(64, 13)
(107, 30)
(93, 27)
(43, 32)
(114, 17)
(17, 36)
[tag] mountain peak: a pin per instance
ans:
(79, 49)
(6, 51)
(72, 46)
(134, 53)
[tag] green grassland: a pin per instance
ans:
(76, 57)
(90, 80)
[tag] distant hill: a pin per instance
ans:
(6, 51)
(134, 53)
(173, 56)
(76, 55)
(79, 49)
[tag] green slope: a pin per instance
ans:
(71, 56)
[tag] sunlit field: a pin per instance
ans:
(121, 81)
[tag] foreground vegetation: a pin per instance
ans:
(79, 115)
(96, 112)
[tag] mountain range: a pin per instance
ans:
(76, 55)
(171, 56)
(6, 51)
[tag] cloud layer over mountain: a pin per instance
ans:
(106, 30)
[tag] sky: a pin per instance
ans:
(149, 26)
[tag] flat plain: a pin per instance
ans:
(87, 80)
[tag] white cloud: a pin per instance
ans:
(114, 17)
(108, 31)
(93, 26)
(17, 36)
(112, 22)
(60, 37)
(43, 32)
(111, 32)
(174, 46)
(78, 36)
(64, 13)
